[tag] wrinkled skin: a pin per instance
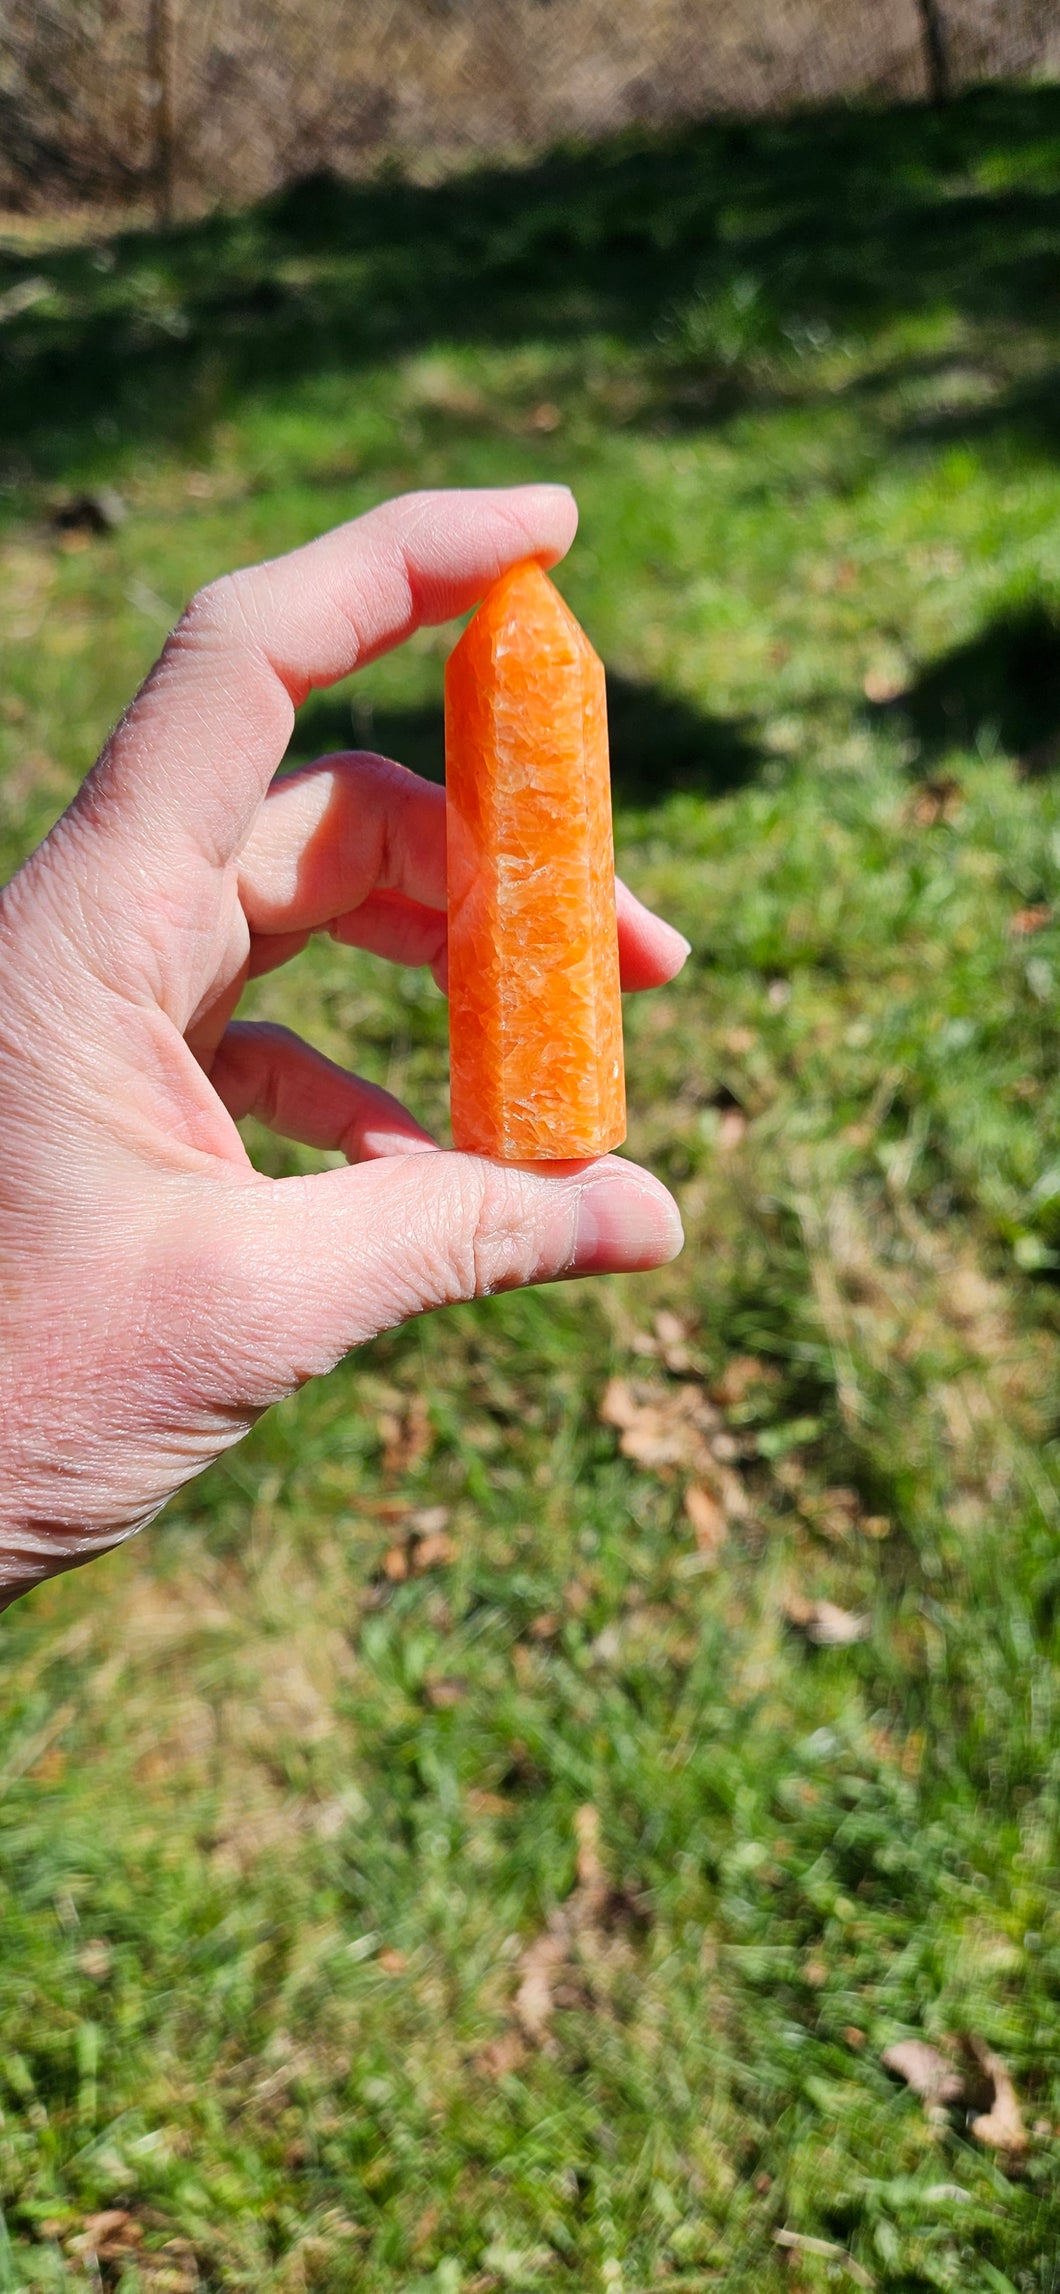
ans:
(158, 1292)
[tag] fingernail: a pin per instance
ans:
(626, 1221)
(684, 945)
(377, 1141)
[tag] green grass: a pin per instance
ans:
(276, 1830)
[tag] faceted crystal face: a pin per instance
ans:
(535, 1017)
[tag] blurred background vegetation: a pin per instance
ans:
(574, 1799)
(182, 105)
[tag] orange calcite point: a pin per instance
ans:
(535, 1015)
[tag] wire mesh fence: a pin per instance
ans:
(192, 102)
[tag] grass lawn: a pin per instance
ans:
(443, 1853)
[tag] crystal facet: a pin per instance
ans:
(535, 1015)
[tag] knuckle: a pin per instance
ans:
(217, 610)
(506, 1240)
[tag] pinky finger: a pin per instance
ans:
(268, 1071)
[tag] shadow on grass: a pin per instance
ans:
(1027, 409)
(658, 743)
(1000, 688)
(698, 247)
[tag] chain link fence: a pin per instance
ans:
(188, 103)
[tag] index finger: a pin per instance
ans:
(194, 755)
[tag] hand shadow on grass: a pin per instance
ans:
(659, 743)
(1001, 689)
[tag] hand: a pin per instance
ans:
(158, 1292)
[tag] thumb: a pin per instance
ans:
(315, 1266)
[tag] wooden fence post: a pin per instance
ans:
(936, 51)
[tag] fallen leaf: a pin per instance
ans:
(96, 1959)
(798, 2243)
(737, 1379)
(926, 2070)
(936, 801)
(443, 1695)
(396, 1564)
(545, 1627)
(426, 2226)
(539, 1967)
(832, 1512)
(883, 683)
(1001, 2125)
(661, 1425)
(406, 1435)
(672, 1341)
(429, 1520)
(1028, 920)
(586, 1937)
(708, 1519)
(432, 1552)
(824, 1624)
(732, 1128)
(983, 2085)
(502, 2055)
(107, 2233)
(391, 1961)
(544, 418)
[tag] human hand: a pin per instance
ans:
(158, 1292)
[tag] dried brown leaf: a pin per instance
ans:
(737, 1379)
(432, 1552)
(406, 1435)
(96, 1959)
(1028, 920)
(586, 1936)
(883, 683)
(936, 800)
(545, 1627)
(661, 1426)
(672, 1341)
(108, 2233)
(502, 2055)
(797, 2242)
(619, 1406)
(928, 2072)
(1001, 2125)
(443, 1695)
(824, 1624)
(708, 1519)
(483, 1803)
(732, 1128)
(539, 1971)
(429, 1520)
